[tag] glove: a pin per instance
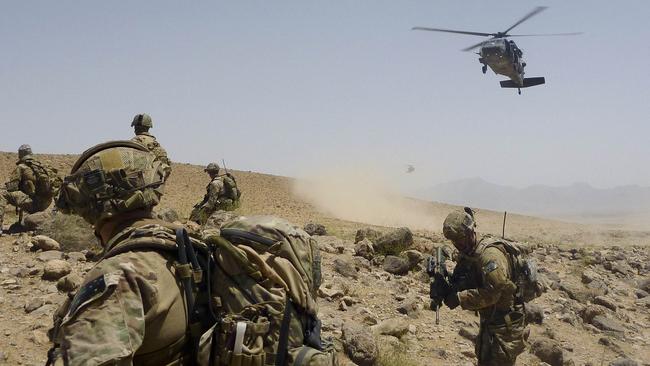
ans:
(452, 300)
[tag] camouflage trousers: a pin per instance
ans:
(22, 202)
(500, 342)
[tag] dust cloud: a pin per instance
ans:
(365, 195)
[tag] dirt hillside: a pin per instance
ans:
(596, 310)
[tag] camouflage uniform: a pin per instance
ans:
(483, 279)
(142, 123)
(130, 309)
(21, 191)
(216, 197)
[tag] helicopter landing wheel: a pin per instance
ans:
(484, 69)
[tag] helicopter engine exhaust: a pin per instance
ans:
(527, 83)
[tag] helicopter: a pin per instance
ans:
(502, 54)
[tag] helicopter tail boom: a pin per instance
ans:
(528, 82)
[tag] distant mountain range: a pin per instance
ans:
(579, 199)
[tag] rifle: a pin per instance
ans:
(440, 283)
(223, 161)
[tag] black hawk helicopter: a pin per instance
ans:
(502, 55)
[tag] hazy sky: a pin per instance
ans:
(283, 86)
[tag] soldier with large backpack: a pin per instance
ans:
(161, 297)
(31, 186)
(141, 125)
(222, 193)
(493, 277)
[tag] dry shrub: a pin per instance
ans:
(395, 356)
(71, 231)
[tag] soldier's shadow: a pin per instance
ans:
(16, 228)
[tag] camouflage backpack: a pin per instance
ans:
(230, 187)
(47, 180)
(250, 292)
(524, 269)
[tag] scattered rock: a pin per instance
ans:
(394, 242)
(396, 265)
(49, 255)
(76, 256)
(360, 345)
(577, 291)
(644, 285)
(606, 302)
(39, 337)
(36, 220)
(590, 312)
(168, 214)
(623, 362)
(588, 276)
(365, 249)
(604, 323)
(343, 306)
(548, 351)
(315, 229)
(410, 307)
(345, 268)
(56, 269)
(414, 257)
(534, 313)
(395, 327)
(69, 283)
(44, 243)
(640, 294)
(33, 304)
(367, 233)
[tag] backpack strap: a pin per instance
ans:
(283, 339)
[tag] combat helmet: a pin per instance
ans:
(142, 120)
(24, 150)
(459, 225)
(112, 178)
(212, 167)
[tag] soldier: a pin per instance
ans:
(31, 186)
(130, 309)
(482, 281)
(141, 124)
(222, 194)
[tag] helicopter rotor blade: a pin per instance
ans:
(453, 31)
(545, 35)
(473, 47)
(525, 18)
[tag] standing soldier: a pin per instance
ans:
(131, 308)
(31, 186)
(222, 194)
(141, 124)
(483, 281)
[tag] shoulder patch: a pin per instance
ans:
(87, 292)
(490, 266)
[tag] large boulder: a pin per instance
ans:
(364, 249)
(534, 313)
(589, 312)
(607, 324)
(396, 265)
(360, 345)
(56, 269)
(394, 242)
(44, 243)
(345, 268)
(395, 327)
(623, 361)
(367, 233)
(36, 220)
(548, 351)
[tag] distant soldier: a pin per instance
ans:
(141, 124)
(31, 186)
(222, 194)
(482, 281)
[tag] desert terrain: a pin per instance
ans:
(596, 310)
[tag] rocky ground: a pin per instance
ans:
(374, 297)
